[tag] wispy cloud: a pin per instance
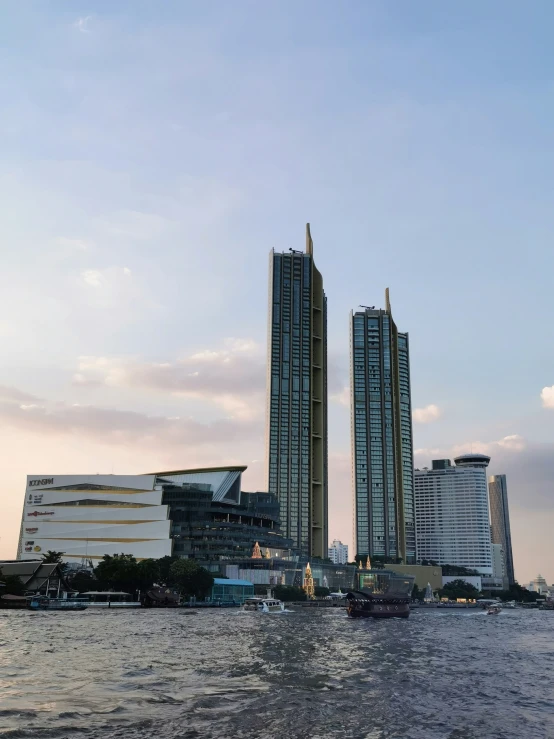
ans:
(74, 244)
(426, 415)
(99, 278)
(112, 425)
(232, 377)
(82, 24)
(342, 398)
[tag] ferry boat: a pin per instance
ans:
(43, 603)
(110, 599)
(265, 605)
(381, 594)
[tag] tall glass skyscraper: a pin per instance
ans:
(382, 447)
(500, 521)
(296, 434)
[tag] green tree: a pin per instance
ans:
(118, 572)
(52, 557)
(190, 578)
(520, 594)
(148, 573)
(288, 593)
(164, 566)
(321, 592)
(417, 593)
(12, 585)
(459, 589)
(83, 581)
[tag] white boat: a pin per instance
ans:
(493, 610)
(109, 599)
(264, 605)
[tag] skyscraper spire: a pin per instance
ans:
(387, 301)
(309, 242)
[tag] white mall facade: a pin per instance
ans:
(88, 516)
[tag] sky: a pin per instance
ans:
(153, 155)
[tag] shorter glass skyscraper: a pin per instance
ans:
(382, 447)
(500, 521)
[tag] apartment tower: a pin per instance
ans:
(382, 447)
(296, 434)
(500, 521)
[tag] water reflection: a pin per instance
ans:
(308, 673)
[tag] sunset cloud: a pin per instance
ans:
(232, 377)
(547, 397)
(426, 415)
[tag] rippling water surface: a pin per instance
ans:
(311, 673)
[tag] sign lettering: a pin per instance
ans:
(44, 481)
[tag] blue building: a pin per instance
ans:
(382, 446)
(228, 591)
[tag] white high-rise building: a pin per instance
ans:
(338, 553)
(452, 513)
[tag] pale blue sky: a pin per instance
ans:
(152, 156)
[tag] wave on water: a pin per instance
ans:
(316, 673)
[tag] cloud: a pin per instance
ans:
(92, 277)
(426, 415)
(342, 398)
(13, 395)
(82, 24)
(73, 244)
(515, 442)
(105, 278)
(232, 377)
(122, 427)
(547, 397)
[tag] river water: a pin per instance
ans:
(312, 673)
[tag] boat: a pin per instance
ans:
(110, 599)
(14, 601)
(264, 605)
(493, 610)
(159, 596)
(43, 603)
(382, 594)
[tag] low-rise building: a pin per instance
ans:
(424, 574)
(232, 591)
(36, 576)
(538, 585)
(200, 513)
(338, 552)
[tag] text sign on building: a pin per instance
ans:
(43, 481)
